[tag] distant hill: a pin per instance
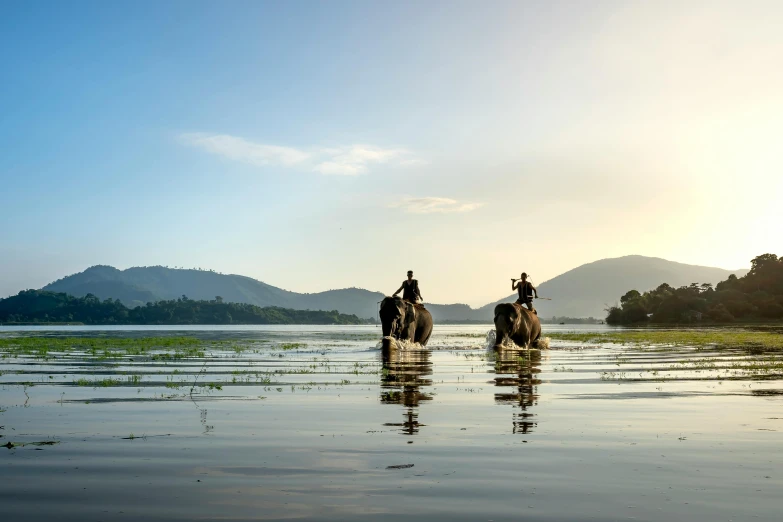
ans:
(139, 285)
(588, 289)
(582, 292)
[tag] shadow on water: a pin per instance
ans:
(518, 370)
(403, 376)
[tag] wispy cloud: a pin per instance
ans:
(344, 161)
(355, 159)
(432, 205)
(239, 149)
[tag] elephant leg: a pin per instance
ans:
(423, 340)
(411, 337)
(534, 342)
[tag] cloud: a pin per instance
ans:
(433, 205)
(350, 160)
(239, 149)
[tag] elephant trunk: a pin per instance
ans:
(390, 328)
(502, 329)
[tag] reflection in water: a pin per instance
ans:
(518, 369)
(403, 376)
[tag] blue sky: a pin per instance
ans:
(323, 145)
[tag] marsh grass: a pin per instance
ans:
(752, 341)
(291, 346)
(112, 348)
(102, 383)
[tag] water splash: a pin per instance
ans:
(491, 339)
(506, 344)
(401, 344)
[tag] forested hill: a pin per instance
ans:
(140, 285)
(756, 296)
(37, 306)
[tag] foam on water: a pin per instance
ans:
(491, 337)
(543, 343)
(402, 344)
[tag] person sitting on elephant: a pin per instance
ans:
(526, 291)
(410, 289)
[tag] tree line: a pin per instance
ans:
(39, 306)
(756, 296)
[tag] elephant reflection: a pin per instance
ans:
(518, 370)
(402, 379)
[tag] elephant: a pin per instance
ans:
(515, 322)
(405, 321)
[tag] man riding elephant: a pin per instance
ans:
(526, 292)
(403, 320)
(514, 322)
(410, 289)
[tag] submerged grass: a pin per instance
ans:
(107, 348)
(718, 338)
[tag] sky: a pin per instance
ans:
(323, 145)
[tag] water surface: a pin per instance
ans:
(315, 423)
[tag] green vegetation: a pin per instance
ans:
(38, 306)
(761, 340)
(291, 346)
(103, 383)
(108, 348)
(757, 296)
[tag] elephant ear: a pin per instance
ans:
(410, 313)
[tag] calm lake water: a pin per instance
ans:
(314, 423)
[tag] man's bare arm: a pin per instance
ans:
(398, 290)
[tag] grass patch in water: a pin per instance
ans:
(290, 346)
(109, 348)
(105, 347)
(751, 340)
(103, 383)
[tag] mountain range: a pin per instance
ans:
(584, 291)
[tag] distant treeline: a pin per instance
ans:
(757, 296)
(38, 306)
(544, 320)
(570, 320)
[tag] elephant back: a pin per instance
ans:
(532, 324)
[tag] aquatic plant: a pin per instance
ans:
(699, 338)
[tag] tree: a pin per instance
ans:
(631, 295)
(720, 314)
(761, 263)
(757, 295)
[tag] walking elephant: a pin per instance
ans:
(515, 322)
(405, 321)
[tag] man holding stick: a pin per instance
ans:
(526, 291)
